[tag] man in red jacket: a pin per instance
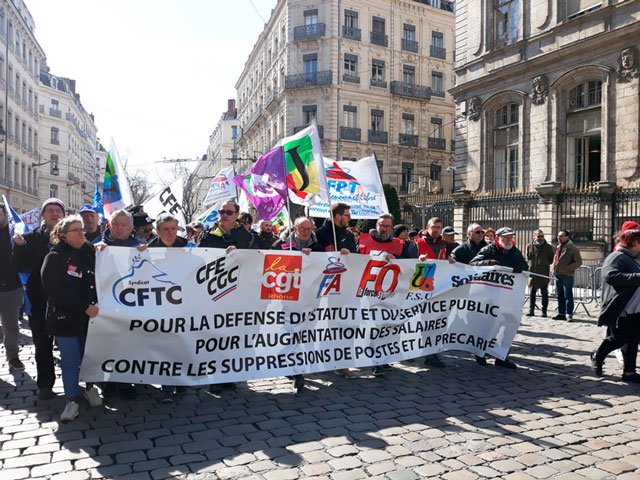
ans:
(432, 245)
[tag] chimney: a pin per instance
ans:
(231, 108)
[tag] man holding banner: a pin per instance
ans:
(344, 240)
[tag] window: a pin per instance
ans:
(55, 136)
(377, 25)
(578, 8)
(437, 39)
(435, 172)
(55, 106)
(408, 123)
(377, 71)
(584, 134)
(409, 74)
(505, 144)
(348, 159)
(309, 114)
(437, 83)
(407, 175)
(234, 131)
(350, 68)
(350, 19)
(507, 19)
(409, 32)
(53, 191)
(377, 120)
(436, 127)
(311, 17)
(310, 63)
(349, 116)
(585, 95)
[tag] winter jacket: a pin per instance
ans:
(620, 279)
(539, 257)
(68, 278)
(504, 257)
(9, 279)
(435, 250)
(180, 242)
(131, 241)
(29, 258)
(283, 244)
(344, 237)
(238, 237)
(467, 251)
(569, 261)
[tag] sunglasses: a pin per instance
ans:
(539, 236)
(228, 213)
(479, 231)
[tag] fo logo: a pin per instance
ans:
(379, 280)
(281, 277)
(330, 284)
(422, 279)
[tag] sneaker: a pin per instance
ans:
(596, 365)
(619, 356)
(530, 314)
(434, 361)
(560, 316)
(482, 361)
(569, 318)
(506, 363)
(345, 372)
(378, 371)
(93, 397)
(46, 394)
(70, 412)
(298, 382)
(16, 365)
(633, 378)
(167, 397)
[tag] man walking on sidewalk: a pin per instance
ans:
(539, 257)
(565, 263)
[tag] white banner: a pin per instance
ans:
(198, 316)
(221, 187)
(357, 184)
(169, 200)
(31, 218)
(209, 217)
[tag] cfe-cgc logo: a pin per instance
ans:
(330, 284)
(281, 277)
(379, 280)
(422, 278)
(220, 275)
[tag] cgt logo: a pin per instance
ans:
(154, 288)
(330, 284)
(384, 277)
(422, 278)
(281, 277)
(221, 277)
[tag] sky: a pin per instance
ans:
(155, 73)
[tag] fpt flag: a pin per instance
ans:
(221, 187)
(116, 193)
(357, 184)
(265, 183)
(169, 200)
(306, 178)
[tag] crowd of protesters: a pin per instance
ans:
(59, 255)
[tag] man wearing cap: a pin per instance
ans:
(142, 224)
(565, 263)
(91, 221)
(29, 252)
(540, 257)
(449, 237)
(504, 252)
(469, 249)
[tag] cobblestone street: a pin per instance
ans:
(551, 418)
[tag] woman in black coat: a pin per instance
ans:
(68, 279)
(621, 306)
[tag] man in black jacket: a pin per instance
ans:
(341, 215)
(469, 249)
(502, 252)
(11, 295)
(227, 232)
(29, 253)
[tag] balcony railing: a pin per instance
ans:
(406, 140)
(410, 90)
(350, 78)
(348, 133)
(437, 143)
(306, 80)
(379, 39)
(441, 4)
(438, 52)
(55, 141)
(352, 33)
(252, 119)
(378, 136)
(409, 45)
(379, 83)
(55, 113)
(308, 32)
(320, 130)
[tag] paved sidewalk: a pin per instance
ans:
(549, 419)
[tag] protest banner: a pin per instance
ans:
(357, 184)
(169, 200)
(221, 187)
(31, 218)
(200, 316)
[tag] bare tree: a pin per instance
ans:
(139, 182)
(190, 185)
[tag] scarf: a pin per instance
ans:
(560, 250)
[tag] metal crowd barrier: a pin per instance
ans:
(587, 288)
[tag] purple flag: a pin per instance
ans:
(265, 183)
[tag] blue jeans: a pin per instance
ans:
(564, 290)
(71, 352)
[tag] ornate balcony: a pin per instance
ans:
(350, 78)
(347, 133)
(307, 80)
(308, 32)
(410, 90)
(352, 33)
(437, 143)
(379, 39)
(409, 45)
(406, 140)
(438, 52)
(378, 136)
(379, 83)
(320, 130)
(55, 113)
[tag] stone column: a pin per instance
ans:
(604, 217)
(461, 212)
(548, 208)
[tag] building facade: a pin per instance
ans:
(20, 59)
(69, 149)
(547, 98)
(373, 75)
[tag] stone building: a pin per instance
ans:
(68, 144)
(373, 75)
(547, 98)
(20, 59)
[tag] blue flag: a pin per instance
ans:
(97, 203)
(16, 225)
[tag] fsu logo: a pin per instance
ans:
(384, 277)
(422, 279)
(330, 284)
(281, 276)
